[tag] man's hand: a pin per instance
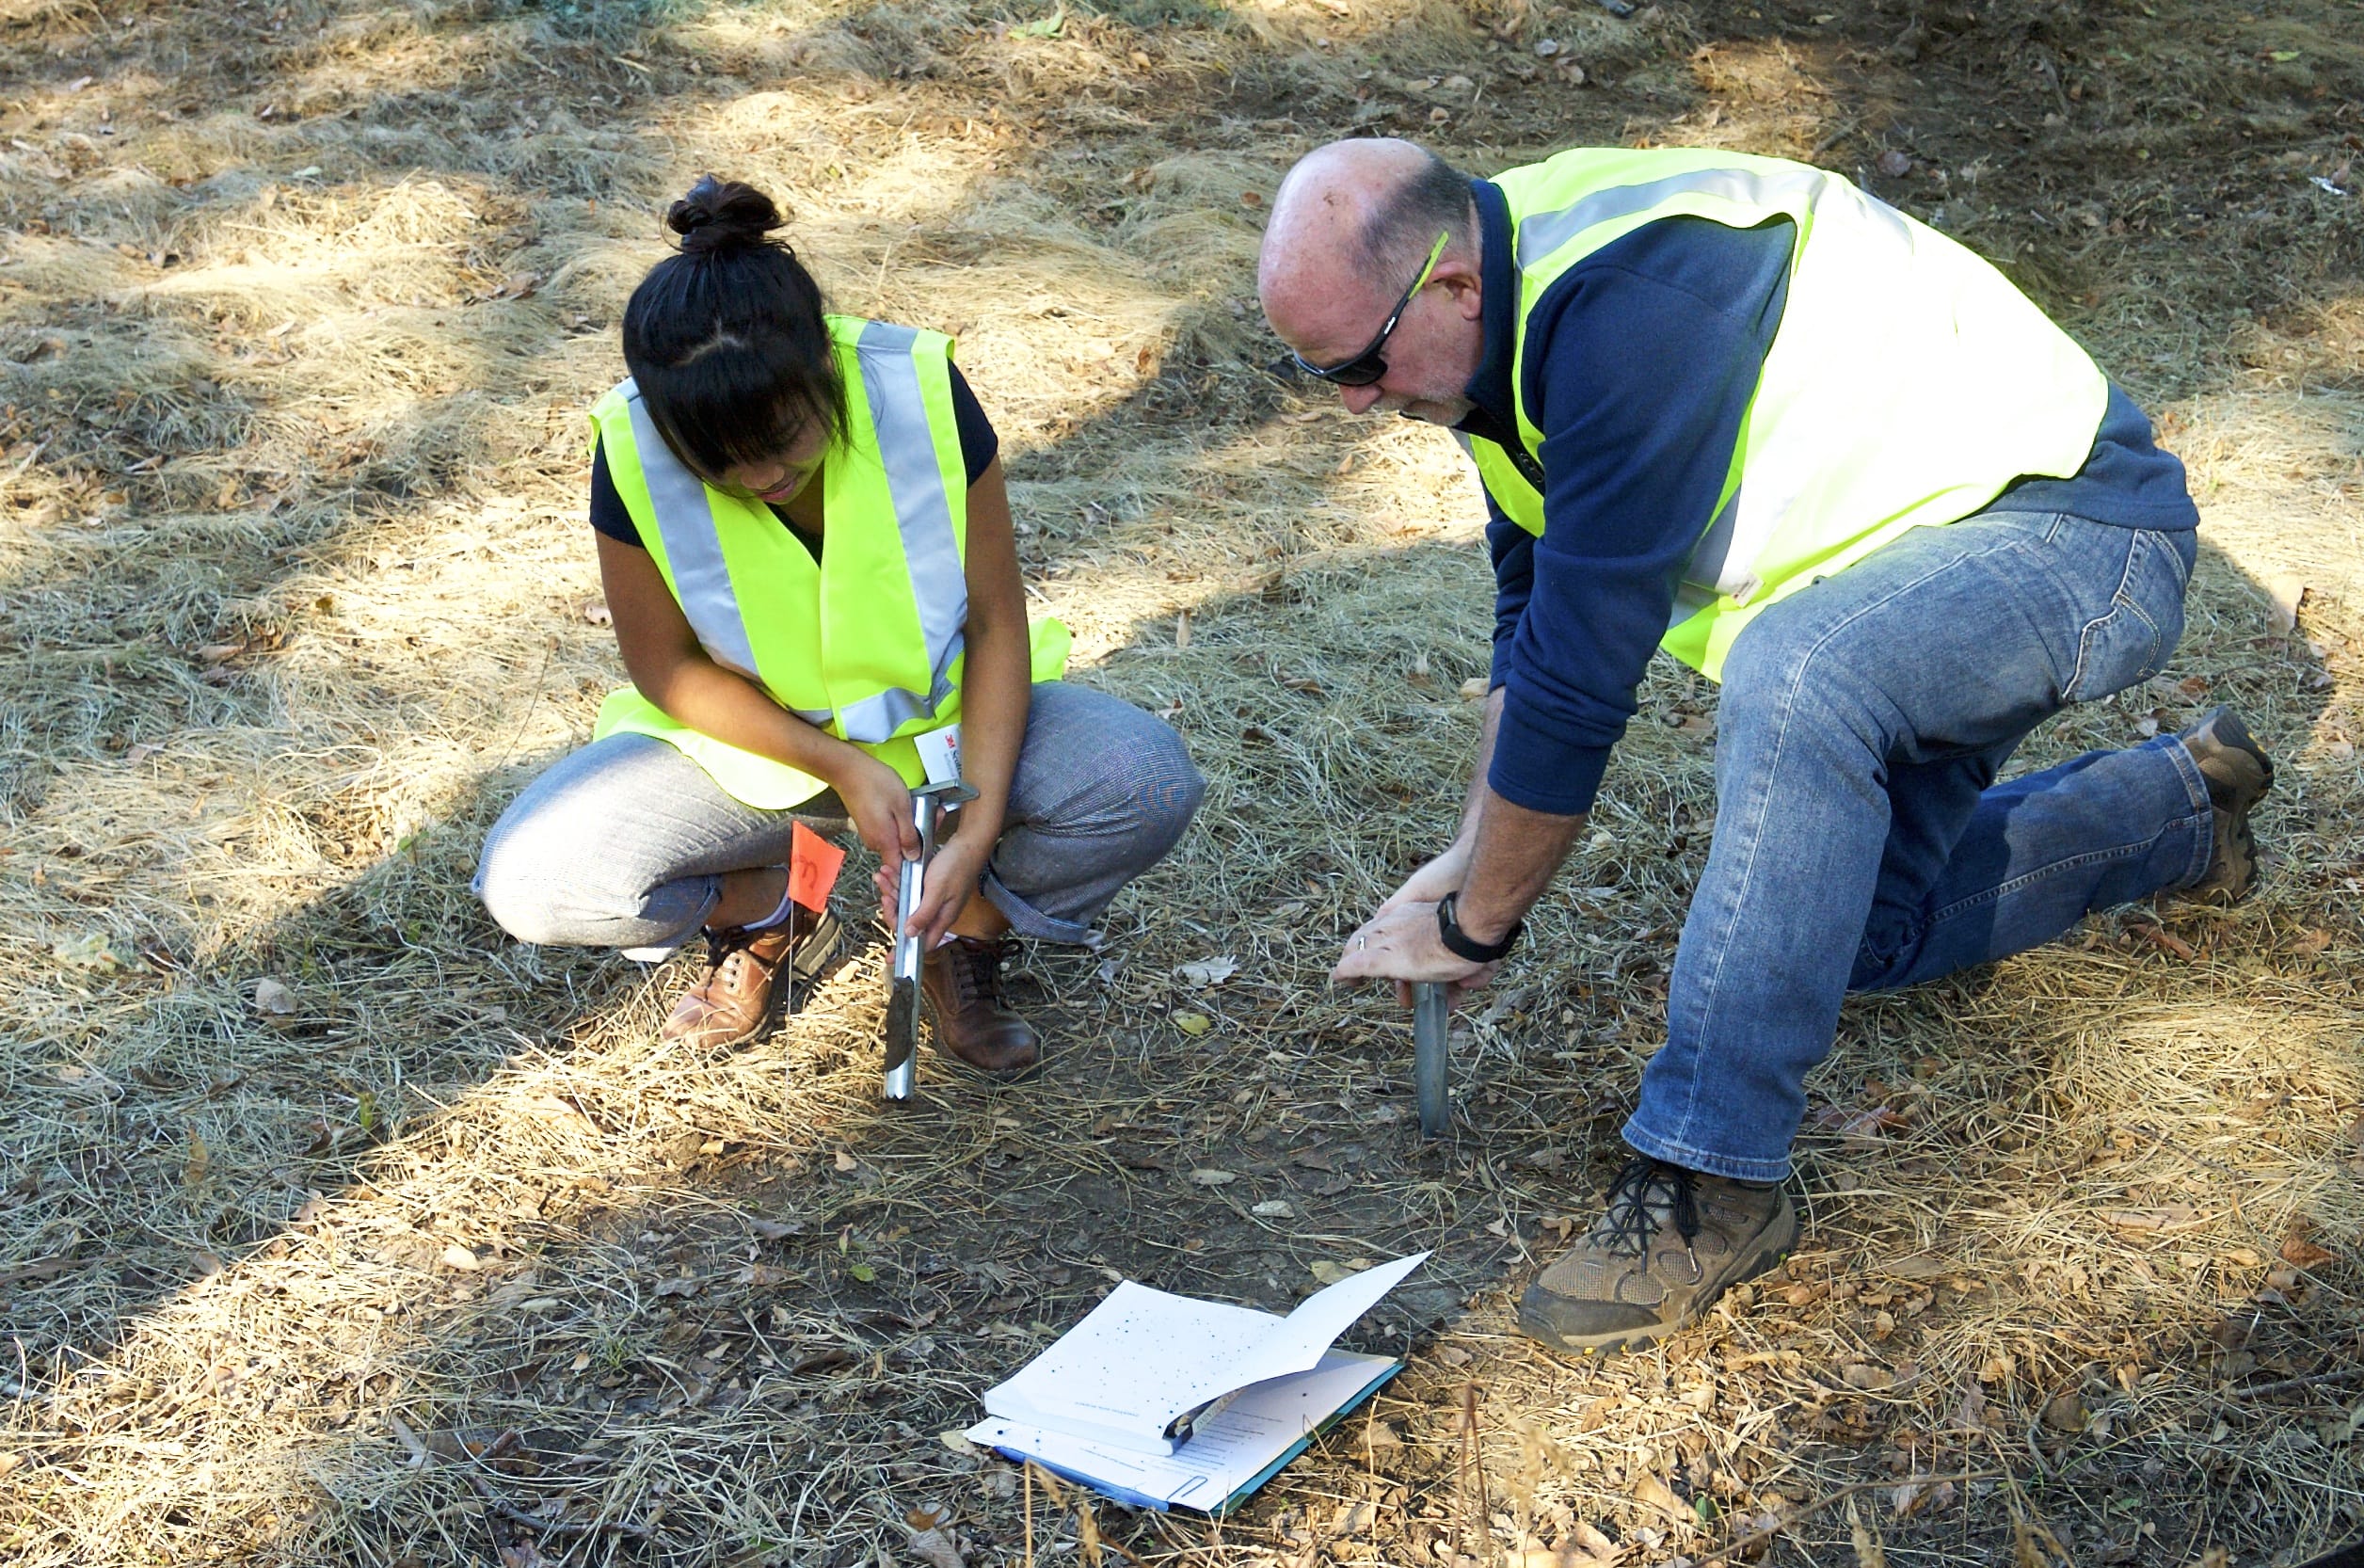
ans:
(1401, 943)
(1431, 882)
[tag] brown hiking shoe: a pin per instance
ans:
(1668, 1243)
(2238, 773)
(961, 980)
(736, 999)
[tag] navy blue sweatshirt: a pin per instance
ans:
(1641, 362)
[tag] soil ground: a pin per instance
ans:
(340, 1229)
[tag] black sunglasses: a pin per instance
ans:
(1369, 365)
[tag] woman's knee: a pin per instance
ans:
(520, 874)
(537, 882)
(1159, 784)
(1106, 766)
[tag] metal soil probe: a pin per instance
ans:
(1429, 1011)
(928, 805)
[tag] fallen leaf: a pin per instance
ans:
(457, 1256)
(1182, 628)
(2299, 1253)
(847, 1163)
(775, 1230)
(1895, 165)
(2174, 1216)
(2065, 1412)
(1476, 689)
(1916, 1266)
(1971, 1414)
(139, 752)
(1652, 1492)
(1213, 1178)
(1863, 1375)
(90, 952)
(1273, 1208)
(1192, 1023)
(1869, 1553)
(958, 1441)
(2284, 595)
(193, 1170)
(931, 1541)
(1209, 971)
(273, 996)
(1329, 1273)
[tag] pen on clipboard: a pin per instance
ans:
(1182, 1427)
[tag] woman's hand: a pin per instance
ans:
(951, 882)
(879, 802)
(953, 875)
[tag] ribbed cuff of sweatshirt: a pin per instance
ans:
(1536, 767)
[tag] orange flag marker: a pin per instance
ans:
(813, 864)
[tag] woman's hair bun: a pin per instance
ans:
(722, 215)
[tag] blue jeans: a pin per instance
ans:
(1861, 842)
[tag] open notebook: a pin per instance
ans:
(1159, 1399)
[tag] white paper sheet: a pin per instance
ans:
(1230, 1449)
(1142, 1358)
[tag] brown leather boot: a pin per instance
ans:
(736, 999)
(961, 980)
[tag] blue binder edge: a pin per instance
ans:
(1222, 1510)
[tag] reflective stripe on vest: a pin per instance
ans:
(930, 548)
(1907, 383)
(868, 646)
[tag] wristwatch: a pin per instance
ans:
(1463, 945)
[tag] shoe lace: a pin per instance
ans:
(977, 972)
(723, 946)
(1645, 1195)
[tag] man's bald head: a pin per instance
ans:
(1352, 229)
(1356, 218)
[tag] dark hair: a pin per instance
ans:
(726, 340)
(1405, 222)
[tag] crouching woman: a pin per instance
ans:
(806, 547)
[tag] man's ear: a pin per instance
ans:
(1469, 297)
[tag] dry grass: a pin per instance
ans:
(318, 1186)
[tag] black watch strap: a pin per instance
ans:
(1461, 945)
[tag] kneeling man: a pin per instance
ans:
(1738, 409)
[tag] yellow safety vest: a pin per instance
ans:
(867, 643)
(1909, 382)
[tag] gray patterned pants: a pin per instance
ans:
(624, 843)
